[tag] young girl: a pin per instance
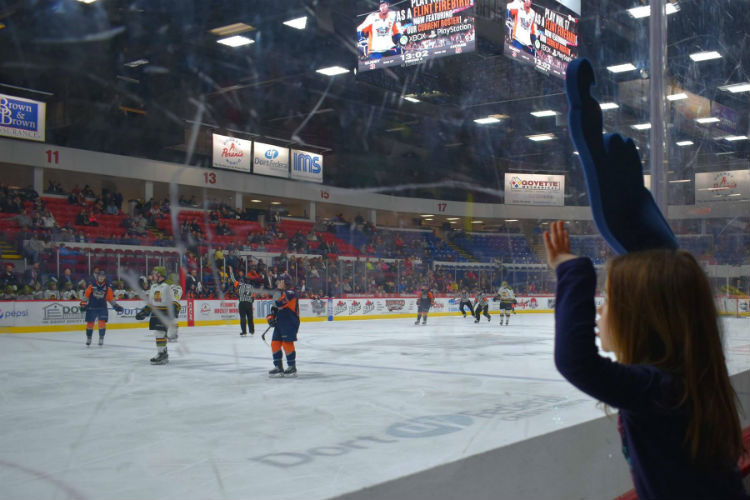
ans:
(677, 414)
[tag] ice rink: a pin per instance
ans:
(373, 401)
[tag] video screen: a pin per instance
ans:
(408, 32)
(539, 33)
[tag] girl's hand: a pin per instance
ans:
(557, 244)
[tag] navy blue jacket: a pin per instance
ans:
(652, 430)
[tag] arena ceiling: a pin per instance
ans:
(87, 62)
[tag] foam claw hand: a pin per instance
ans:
(624, 211)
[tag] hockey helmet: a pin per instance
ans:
(101, 276)
(161, 271)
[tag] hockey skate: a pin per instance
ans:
(291, 371)
(101, 340)
(424, 322)
(88, 341)
(160, 359)
(476, 320)
(489, 318)
(243, 334)
(277, 372)
(506, 321)
(416, 322)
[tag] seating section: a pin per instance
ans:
(504, 247)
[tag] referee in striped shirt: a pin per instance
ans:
(247, 297)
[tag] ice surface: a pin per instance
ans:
(374, 400)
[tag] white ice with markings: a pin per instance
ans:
(373, 401)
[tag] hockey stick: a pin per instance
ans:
(263, 335)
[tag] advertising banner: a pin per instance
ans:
(307, 166)
(231, 153)
(727, 185)
(270, 160)
(22, 118)
(534, 189)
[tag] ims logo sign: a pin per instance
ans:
(306, 162)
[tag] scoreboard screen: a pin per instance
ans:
(540, 34)
(408, 32)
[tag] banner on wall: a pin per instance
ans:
(22, 118)
(727, 185)
(270, 160)
(307, 166)
(231, 153)
(534, 189)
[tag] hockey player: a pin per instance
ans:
(507, 299)
(424, 302)
(481, 306)
(172, 329)
(464, 299)
(94, 304)
(381, 29)
(285, 329)
(524, 26)
(160, 306)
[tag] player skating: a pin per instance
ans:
(285, 329)
(524, 31)
(160, 306)
(424, 302)
(507, 299)
(94, 304)
(481, 306)
(464, 298)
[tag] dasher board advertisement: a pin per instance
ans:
(726, 185)
(231, 153)
(270, 160)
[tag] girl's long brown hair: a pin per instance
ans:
(661, 312)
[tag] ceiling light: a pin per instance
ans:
(677, 97)
(541, 114)
(231, 29)
(684, 143)
(333, 70)
(487, 120)
(737, 87)
(641, 126)
(235, 41)
(298, 23)
(710, 119)
(511, 220)
(426, 215)
(453, 222)
(427, 219)
(733, 138)
(608, 105)
(255, 201)
(87, 1)
(705, 56)
(621, 68)
(411, 99)
(136, 63)
(477, 222)
(679, 181)
(452, 218)
(576, 153)
(645, 11)
(275, 203)
(540, 137)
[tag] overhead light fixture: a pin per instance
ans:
(541, 114)
(621, 68)
(705, 56)
(679, 181)
(540, 137)
(426, 215)
(511, 220)
(452, 218)
(255, 201)
(641, 126)
(709, 119)
(136, 63)
(477, 222)
(454, 222)
(732, 138)
(736, 87)
(411, 99)
(298, 23)
(684, 143)
(333, 70)
(677, 97)
(645, 11)
(231, 29)
(427, 219)
(576, 153)
(87, 1)
(275, 203)
(487, 120)
(608, 105)
(235, 41)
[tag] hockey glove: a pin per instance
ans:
(118, 308)
(143, 313)
(83, 306)
(177, 308)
